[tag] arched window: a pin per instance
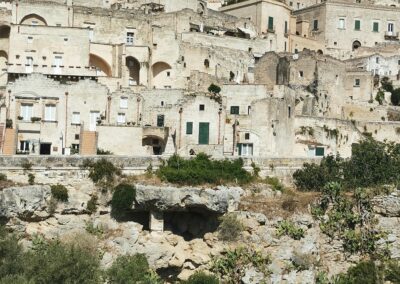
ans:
(33, 20)
(134, 70)
(356, 44)
(160, 67)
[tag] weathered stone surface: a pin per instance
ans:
(219, 200)
(26, 203)
(388, 205)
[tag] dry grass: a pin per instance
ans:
(285, 206)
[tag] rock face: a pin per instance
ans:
(219, 200)
(387, 205)
(28, 203)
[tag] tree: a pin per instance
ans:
(122, 200)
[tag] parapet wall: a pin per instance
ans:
(51, 169)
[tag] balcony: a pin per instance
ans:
(391, 36)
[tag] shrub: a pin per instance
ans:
(31, 178)
(232, 264)
(27, 166)
(387, 84)
(61, 263)
(131, 269)
(3, 177)
(229, 228)
(395, 97)
(92, 204)
(59, 192)
(202, 278)
(362, 273)
(94, 230)
(202, 170)
(392, 271)
(275, 183)
(214, 89)
(288, 228)
(380, 97)
(103, 152)
(122, 200)
(11, 255)
(102, 172)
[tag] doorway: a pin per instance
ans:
(204, 133)
(94, 116)
(45, 148)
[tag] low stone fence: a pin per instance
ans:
(70, 166)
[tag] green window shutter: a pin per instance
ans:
(270, 23)
(357, 25)
(375, 27)
(204, 133)
(320, 151)
(160, 120)
(189, 128)
(234, 110)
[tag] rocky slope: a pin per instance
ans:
(190, 240)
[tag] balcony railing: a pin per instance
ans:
(391, 36)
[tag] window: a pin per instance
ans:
(26, 112)
(289, 111)
(234, 110)
(29, 61)
(286, 27)
(201, 107)
(301, 74)
(315, 25)
(377, 60)
(206, 63)
(76, 136)
(319, 151)
(58, 61)
(24, 146)
(247, 136)
(168, 74)
(189, 128)
(248, 110)
(160, 120)
(30, 39)
(121, 119)
(270, 23)
(357, 25)
(342, 24)
(390, 27)
(375, 27)
(357, 83)
(76, 117)
(130, 37)
(34, 23)
(123, 102)
(245, 149)
(291, 3)
(50, 113)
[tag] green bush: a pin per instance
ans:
(214, 89)
(103, 152)
(202, 170)
(31, 179)
(59, 192)
(362, 273)
(288, 228)
(11, 255)
(230, 267)
(3, 177)
(387, 84)
(26, 165)
(131, 270)
(230, 228)
(275, 183)
(372, 164)
(92, 204)
(102, 172)
(392, 271)
(60, 263)
(202, 278)
(122, 200)
(395, 97)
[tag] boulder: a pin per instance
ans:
(28, 203)
(219, 200)
(387, 205)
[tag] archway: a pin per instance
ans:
(356, 45)
(102, 67)
(134, 70)
(34, 20)
(159, 68)
(155, 143)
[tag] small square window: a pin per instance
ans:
(357, 83)
(76, 136)
(301, 74)
(247, 136)
(168, 74)
(201, 107)
(160, 120)
(234, 110)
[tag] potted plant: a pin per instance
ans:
(19, 117)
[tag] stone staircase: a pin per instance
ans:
(88, 143)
